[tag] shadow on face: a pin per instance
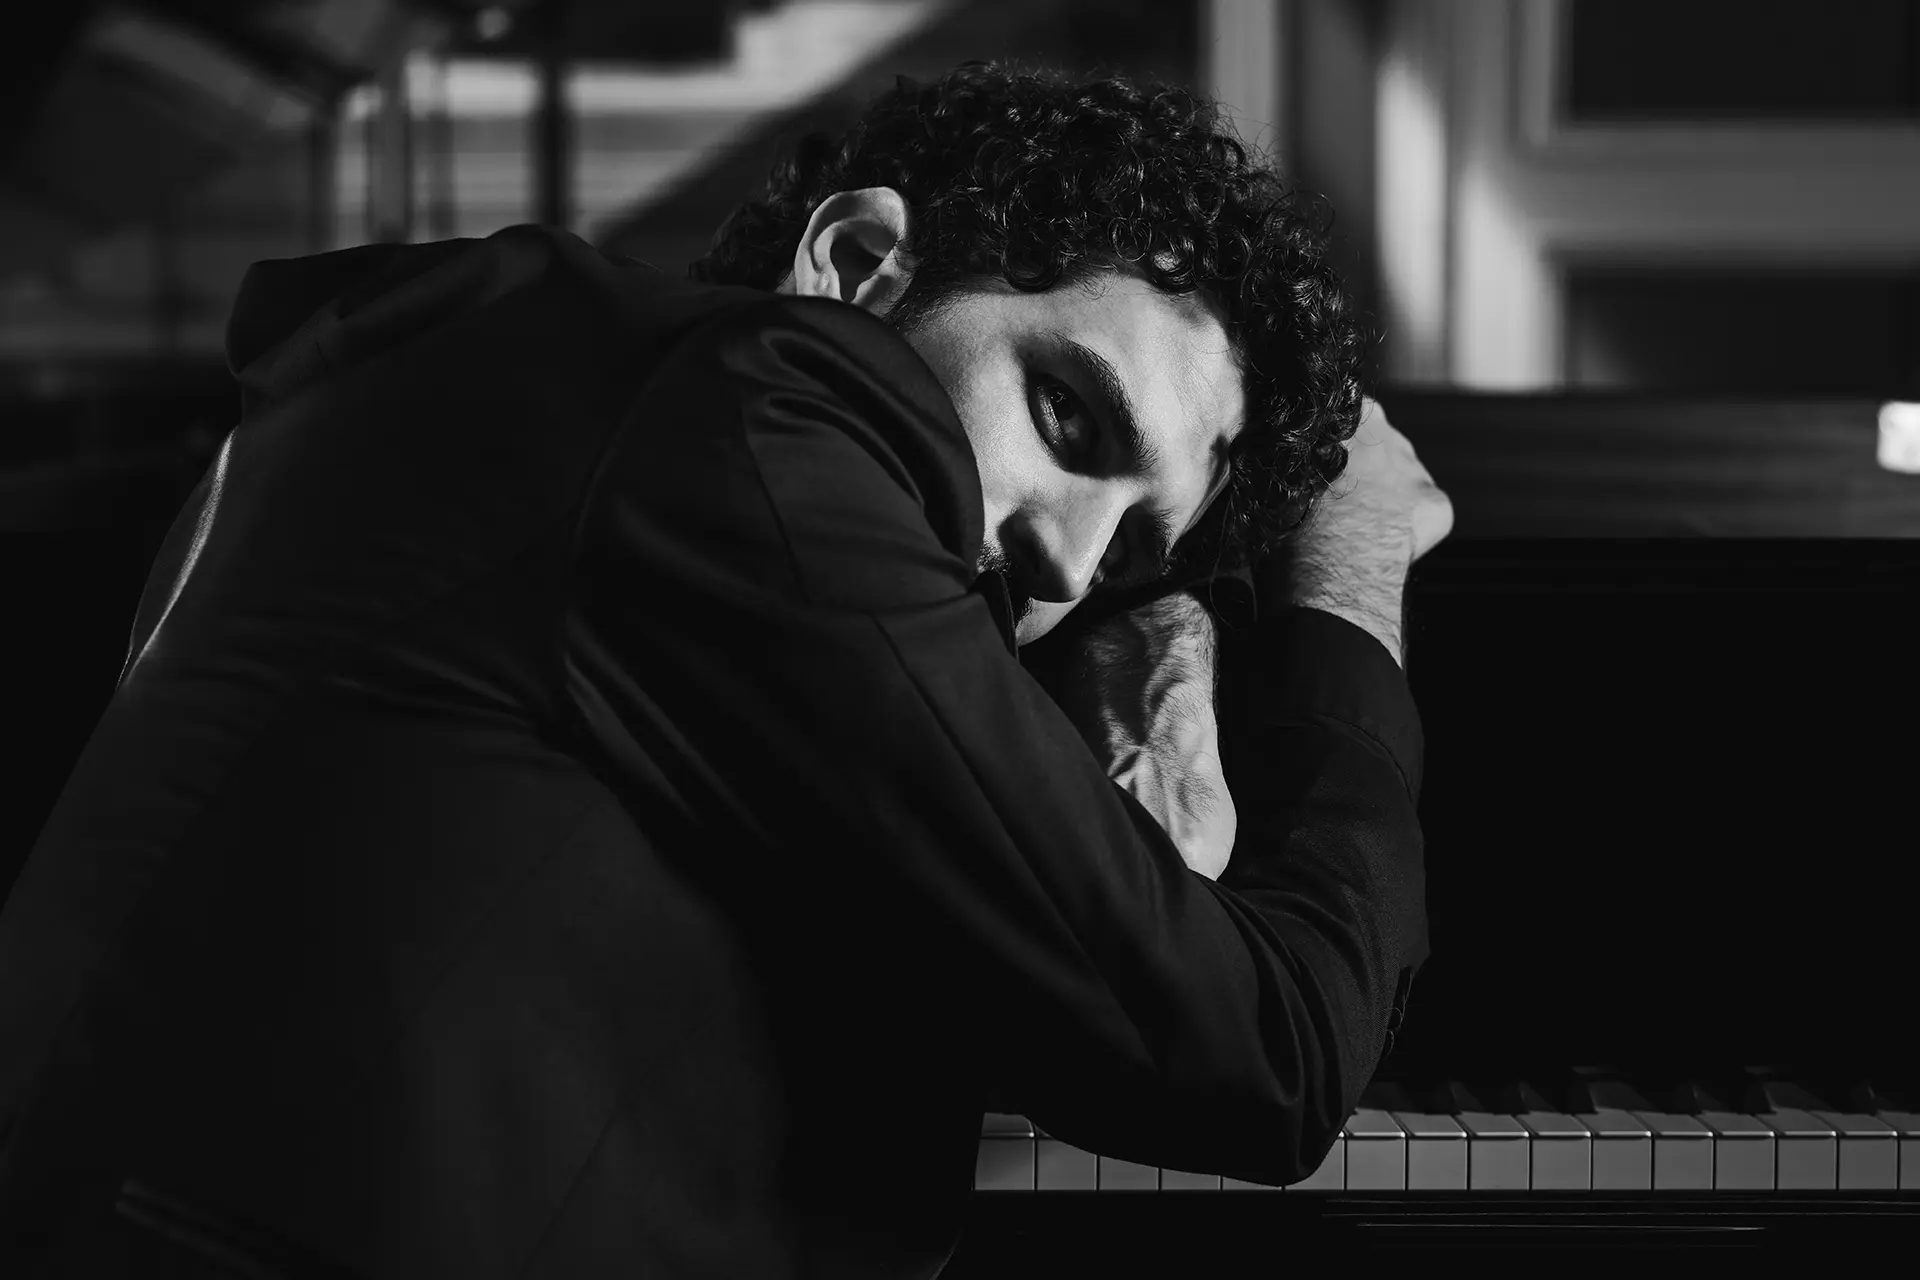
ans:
(1099, 414)
(1100, 411)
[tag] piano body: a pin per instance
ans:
(1665, 670)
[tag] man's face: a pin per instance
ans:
(1046, 385)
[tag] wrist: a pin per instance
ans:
(1372, 598)
(1385, 631)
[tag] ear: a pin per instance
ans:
(853, 250)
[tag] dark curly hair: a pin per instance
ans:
(1039, 180)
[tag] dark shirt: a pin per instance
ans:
(568, 812)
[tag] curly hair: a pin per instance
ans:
(1041, 180)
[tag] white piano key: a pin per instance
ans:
(1869, 1158)
(1124, 1175)
(1622, 1150)
(1498, 1154)
(1376, 1151)
(1181, 1180)
(1743, 1151)
(1239, 1184)
(1683, 1151)
(1561, 1152)
(1906, 1128)
(1332, 1173)
(1059, 1167)
(1005, 1161)
(1436, 1151)
(1806, 1150)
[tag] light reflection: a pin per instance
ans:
(1899, 448)
(214, 486)
(1412, 184)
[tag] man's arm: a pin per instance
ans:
(1141, 683)
(773, 608)
(1375, 602)
(1352, 556)
(1140, 687)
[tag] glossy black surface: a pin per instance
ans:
(1668, 805)
(1249, 1233)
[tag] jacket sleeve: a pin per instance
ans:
(773, 623)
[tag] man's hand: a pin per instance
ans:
(1384, 512)
(1139, 686)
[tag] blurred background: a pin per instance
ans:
(1674, 196)
(1639, 267)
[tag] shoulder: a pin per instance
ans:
(800, 442)
(774, 354)
(816, 334)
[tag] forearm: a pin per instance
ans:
(1326, 760)
(1142, 695)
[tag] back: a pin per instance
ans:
(334, 927)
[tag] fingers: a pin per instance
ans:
(1390, 450)
(1432, 522)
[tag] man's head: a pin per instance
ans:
(1138, 328)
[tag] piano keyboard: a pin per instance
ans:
(1595, 1135)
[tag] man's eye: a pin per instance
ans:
(1066, 417)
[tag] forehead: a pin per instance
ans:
(1174, 357)
(1173, 346)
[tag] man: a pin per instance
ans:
(573, 806)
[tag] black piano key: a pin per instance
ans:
(1876, 1094)
(1568, 1091)
(1530, 1098)
(1759, 1089)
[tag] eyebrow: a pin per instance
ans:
(1142, 454)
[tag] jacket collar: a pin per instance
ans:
(992, 586)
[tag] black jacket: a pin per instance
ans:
(569, 812)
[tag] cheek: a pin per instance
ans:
(1003, 449)
(987, 385)
(999, 476)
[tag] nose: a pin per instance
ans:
(1059, 551)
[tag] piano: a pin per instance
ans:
(1665, 666)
